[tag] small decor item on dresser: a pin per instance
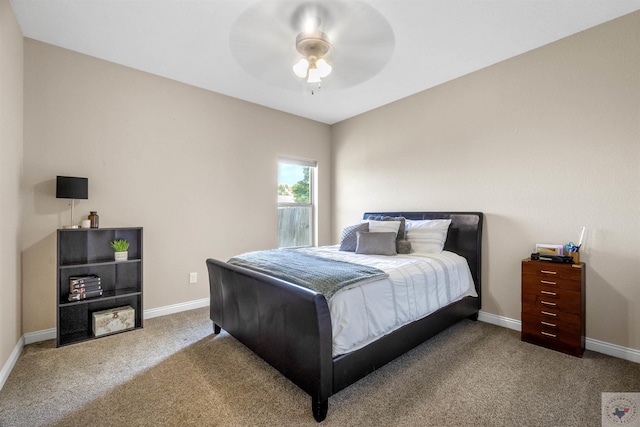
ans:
(573, 250)
(121, 248)
(537, 256)
(549, 249)
(113, 320)
(94, 219)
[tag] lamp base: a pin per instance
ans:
(72, 221)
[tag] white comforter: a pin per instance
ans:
(418, 284)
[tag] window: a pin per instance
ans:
(295, 202)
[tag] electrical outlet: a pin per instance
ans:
(193, 277)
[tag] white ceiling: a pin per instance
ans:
(189, 41)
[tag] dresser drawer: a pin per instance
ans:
(550, 292)
(552, 314)
(544, 302)
(535, 322)
(552, 282)
(572, 344)
(552, 270)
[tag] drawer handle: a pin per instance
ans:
(548, 272)
(553, 325)
(546, 282)
(548, 313)
(548, 303)
(548, 334)
(548, 293)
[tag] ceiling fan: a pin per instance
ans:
(294, 45)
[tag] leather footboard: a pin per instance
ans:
(286, 325)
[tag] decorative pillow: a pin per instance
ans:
(383, 226)
(376, 243)
(401, 232)
(349, 239)
(403, 247)
(427, 236)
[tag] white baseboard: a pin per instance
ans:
(175, 308)
(13, 358)
(505, 322)
(47, 334)
(614, 350)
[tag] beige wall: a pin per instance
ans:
(543, 143)
(11, 117)
(196, 169)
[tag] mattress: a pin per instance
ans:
(417, 285)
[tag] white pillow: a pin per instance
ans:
(383, 226)
(427, 236)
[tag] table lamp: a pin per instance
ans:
(69, 187)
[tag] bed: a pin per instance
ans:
(290, 326)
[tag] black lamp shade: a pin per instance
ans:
(69, 187)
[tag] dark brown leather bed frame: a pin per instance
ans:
(289, 326)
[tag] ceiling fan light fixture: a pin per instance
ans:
(300, 68)
(313, 46)
(314, 76)
(324, 69)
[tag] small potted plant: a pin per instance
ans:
(121, 247)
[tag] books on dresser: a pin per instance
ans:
(82, 287)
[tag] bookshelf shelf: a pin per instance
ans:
(98, 263)
(88, 252)
(106, 295)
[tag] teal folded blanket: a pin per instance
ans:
(323, 275)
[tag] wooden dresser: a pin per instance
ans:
(553, 300)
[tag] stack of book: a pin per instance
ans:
(82, 287)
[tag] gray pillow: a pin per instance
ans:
(349, 239)
(376, 243)
(403, 247)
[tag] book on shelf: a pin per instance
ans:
(85, 295)
(84, 289)
(84, 280)
(75, 285)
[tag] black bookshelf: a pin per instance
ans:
(87, 251)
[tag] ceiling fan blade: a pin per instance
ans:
(355, 64)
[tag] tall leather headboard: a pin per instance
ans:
(464, 237)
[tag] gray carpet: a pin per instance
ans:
(176, 372)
